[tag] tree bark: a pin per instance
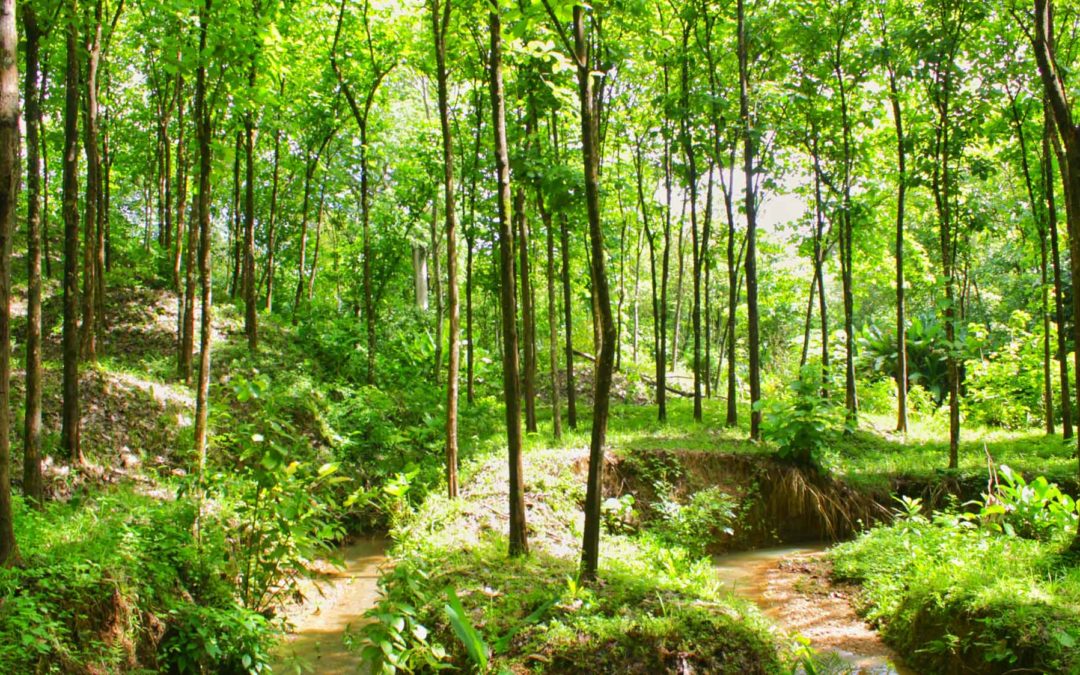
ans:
(751, 223)
(33, 485)
(251, 316)
(1070, 169)
(439, 25)
(528, 318)
(9, 190)
(70, 415)
(568, 316)
(1055, 254)
(90, 206)
(271, 230)
(202, 117)
(519, 544)
(590, 553)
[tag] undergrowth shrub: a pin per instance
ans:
(953, 596)
(805, 425)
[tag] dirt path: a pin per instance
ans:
(791, 585)
(336, 606)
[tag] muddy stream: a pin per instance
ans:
(335, 605)
(791, 587)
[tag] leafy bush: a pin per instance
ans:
(696, 524)
(1004, 387)
(1035, 510)
(952, 597)
(806, 425)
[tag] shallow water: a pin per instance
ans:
(772, 578)
(332, 610)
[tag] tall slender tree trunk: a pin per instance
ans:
(1059, 308)
(697, 245)
(236, 243)
(439, 25)
(301, 263)
(901, 193)
(1070, 168)
(318, 240)
(605, 362)
(251, 315)
(528, 317)
(93, 168)
(9, 189)
(181, 193)
(568, 316)
(436, 279)
(45, 243)
(202, 117)
(553, 327)
(519, 544)
(751, 222)
(70, 415)
(1040, 226)
(33, 485)
(271, 230)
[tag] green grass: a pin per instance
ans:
(655, 603)
(871, 457)
(952, 599)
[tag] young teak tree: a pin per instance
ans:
(519, 544)
(9, 190)
(440, 22)
(582, 56)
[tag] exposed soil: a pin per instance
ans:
(793, 587)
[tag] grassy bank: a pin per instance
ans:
(658, 607)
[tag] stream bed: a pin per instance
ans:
(334, 606)
(789, 587)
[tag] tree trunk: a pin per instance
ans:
(1070, 169)
(9, 191)
(901, 321)
(436, 278)
(271, 230)
(519, 544)
(71, 419)
(568, 316)
(1059, 308)
(553, 329)
(93, 167)
(439, 26)
(528, 318)
(202, 116)
(301, 264)
(590, 553)
(235, 237)
(33, 486)
(318, 240)
(251, 316)
(181, 193)
(751, 224)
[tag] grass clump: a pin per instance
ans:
(954, 597)
(657, 608)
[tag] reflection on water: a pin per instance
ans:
(824, 618)
(316, 646)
